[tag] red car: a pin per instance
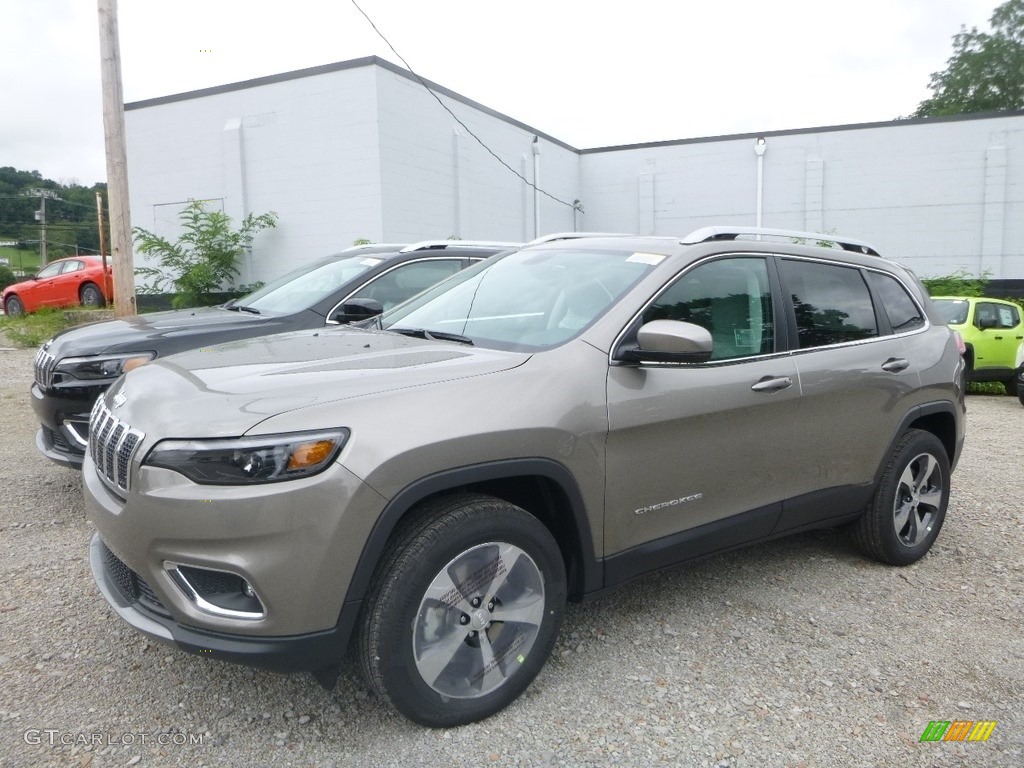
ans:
(61, 283)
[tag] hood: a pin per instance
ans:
(227, 390)
(162, 332)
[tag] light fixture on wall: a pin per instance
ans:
(760, 146)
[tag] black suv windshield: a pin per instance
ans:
(953, 311)
(527, 300)
(304, 287)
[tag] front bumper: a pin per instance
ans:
(295, 543)
(309, 652)
(64, 424)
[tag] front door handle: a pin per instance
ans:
(772, 384)
(999, 338)
(895, 364)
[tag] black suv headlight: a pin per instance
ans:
(101, 367)
(247, 460)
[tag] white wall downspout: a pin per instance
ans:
(759, 150)
(536, 186)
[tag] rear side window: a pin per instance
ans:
(831, 303)
(904, 315)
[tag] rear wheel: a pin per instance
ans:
(463, 611)
(92, 296)
(13, 307)
(909, 505)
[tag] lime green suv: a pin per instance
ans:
(992, 330)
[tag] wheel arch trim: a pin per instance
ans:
(590, 572)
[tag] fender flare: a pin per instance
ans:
(591, 573)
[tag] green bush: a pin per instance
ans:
(960, 283)
(204, 260)
(7, 277)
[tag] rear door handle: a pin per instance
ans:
(895, 364)
(772, 384)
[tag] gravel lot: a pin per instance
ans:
(795, 653)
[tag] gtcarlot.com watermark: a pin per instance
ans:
(52, 737)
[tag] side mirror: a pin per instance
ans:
(355, 310)
(670, 341)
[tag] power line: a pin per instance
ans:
(480, 141)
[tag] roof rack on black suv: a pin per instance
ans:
(574, 236)
(424, 245)
(709, 234)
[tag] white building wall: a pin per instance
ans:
(938, 196)
(306, 148)
(439, 182)
(361, 150)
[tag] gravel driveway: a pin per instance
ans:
(795, 653)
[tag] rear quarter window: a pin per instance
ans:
(901, 310)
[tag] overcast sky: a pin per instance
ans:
(589, 72)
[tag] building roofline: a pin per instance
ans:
(798, 131)
(366, 61)
(369, 61)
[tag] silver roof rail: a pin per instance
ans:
(425, 244)
(707, 234)
(573, 236)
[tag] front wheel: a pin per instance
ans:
(463, 611)
(13, 307)
(909, 505)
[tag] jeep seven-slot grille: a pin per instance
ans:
(112, 443)
(45, 364)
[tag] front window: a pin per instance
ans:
(527, 300)
(308, 285)
(953, 311)
(50, 270)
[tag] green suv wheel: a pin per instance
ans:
(463, 611)
(909, 506)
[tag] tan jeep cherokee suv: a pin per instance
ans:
(540, 427)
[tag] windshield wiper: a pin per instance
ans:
(240, 308)
(423, 333)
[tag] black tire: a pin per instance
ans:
(1010, 385)
(909, 506)
(482, 663)
(13, 307)
(1020, 395)
(92, 296)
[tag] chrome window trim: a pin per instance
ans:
(786, 353)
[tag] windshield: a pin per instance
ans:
(953, 312)
(527, 300)
(308, 285)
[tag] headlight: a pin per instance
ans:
(246, 460)
(103, 366)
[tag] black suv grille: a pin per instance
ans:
(112, 443)
(45, 364)
(129, 584)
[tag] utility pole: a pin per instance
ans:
(103, 240)
(42, 237)
(117, 161)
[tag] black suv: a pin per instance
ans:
(74, 367)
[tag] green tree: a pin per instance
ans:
(985, 72)
(204, 259)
